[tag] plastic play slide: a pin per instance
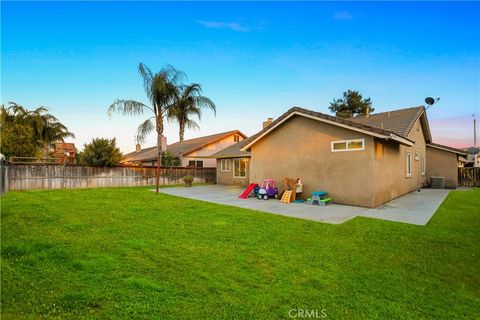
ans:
(247, 191)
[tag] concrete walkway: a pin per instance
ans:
(414, 208)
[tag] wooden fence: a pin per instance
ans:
(58, 176)
(469, 177)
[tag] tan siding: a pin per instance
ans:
(226, 177)
(390, 180)
(444, 164)
(301, 148)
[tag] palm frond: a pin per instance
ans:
(147, 76)
(127, 108)
(144, 130)
(190, 124)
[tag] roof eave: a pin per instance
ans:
(335, 123)
(452, 150)
(401, 140)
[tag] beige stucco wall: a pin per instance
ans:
(226, 177)
(444, 164)
(301, 148)
(390, 180)
(208, 150)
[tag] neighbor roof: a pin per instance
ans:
(234, 150)
(447, 148)
(365, 128)
(188, 146)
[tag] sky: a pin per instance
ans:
(253, 59)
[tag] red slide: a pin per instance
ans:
(247, 191)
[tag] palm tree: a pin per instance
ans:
(190, 103)
(161, 90)
(45, 128)
(51, 131)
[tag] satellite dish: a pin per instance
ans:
(430, 101)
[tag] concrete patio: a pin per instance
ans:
(414, 208)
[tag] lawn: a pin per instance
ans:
(130, 253)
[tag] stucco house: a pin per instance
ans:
(196, 152)
(363, 161)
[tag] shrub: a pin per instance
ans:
(188, 180)
(101, 153)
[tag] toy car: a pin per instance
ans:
(267, 190)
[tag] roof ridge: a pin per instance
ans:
(347, 121)
(389, 111)
(210, 135)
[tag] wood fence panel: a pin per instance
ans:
(469, 177)
(57, 176)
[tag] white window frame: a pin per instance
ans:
(408, 164)
(225, 165)
(239, 159)
(424, 165)
(346, 145)
(417, 155)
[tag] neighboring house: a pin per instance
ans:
(363, 161)
(469, 159)
(196, 152)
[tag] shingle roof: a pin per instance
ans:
(142, 155)
(188, 146)
(234, 150)
(398, 121)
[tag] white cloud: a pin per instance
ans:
(235, 26)
(343, 15)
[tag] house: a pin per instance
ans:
(196, 152)
(363, 161)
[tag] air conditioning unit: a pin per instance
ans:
(437, 182)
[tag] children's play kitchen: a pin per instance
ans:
(292, 192)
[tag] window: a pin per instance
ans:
(417, 155)
(195, 163)
(424, 166)
(348, 145)
(236, 138)
(240, 168)
(225, 165)
(408, 164)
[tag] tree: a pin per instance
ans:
(350, 105)
(36, 129)
(161, 90)
(51, 131)
(17, 141)
(101, 153)
(168, 160)
(189, 104)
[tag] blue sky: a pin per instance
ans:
(255, 60)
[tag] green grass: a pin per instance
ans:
(130, 253)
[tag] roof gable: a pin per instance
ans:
(344, 123)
